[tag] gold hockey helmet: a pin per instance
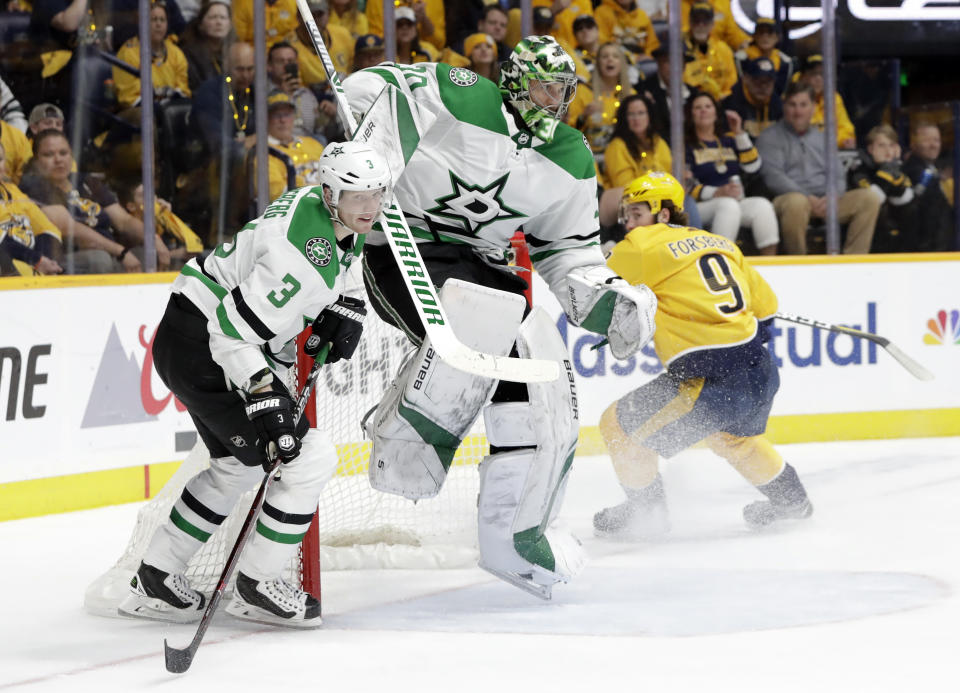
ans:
(653, 188)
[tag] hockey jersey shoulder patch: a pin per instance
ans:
(310, 231)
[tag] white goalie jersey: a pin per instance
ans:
(498, 177)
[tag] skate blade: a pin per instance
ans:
(537, 590)
(248, 612)
(134, 606)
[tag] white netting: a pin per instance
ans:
(358, 527)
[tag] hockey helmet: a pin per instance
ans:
(353, 166)
(654, 188)
(539, 79)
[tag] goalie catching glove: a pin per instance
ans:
(340, 325)
(604, 303)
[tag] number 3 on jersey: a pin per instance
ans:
(290, 287)
(719, 279)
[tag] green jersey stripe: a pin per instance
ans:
(188, 528)
(279, 537)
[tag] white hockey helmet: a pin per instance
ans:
(353, 166)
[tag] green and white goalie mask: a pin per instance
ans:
(356, 181)
(539, 79)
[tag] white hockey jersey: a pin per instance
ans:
(259, 292)
(474, 176)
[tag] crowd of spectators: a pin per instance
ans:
(755, 159)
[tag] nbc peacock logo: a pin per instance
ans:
(944, 329)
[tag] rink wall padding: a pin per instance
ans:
(86, 422)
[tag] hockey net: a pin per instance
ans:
(355, 527)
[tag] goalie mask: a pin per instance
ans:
(354, 167)
(653, 188)
(539, 79)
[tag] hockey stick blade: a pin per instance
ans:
(178, 660)
(912, 366)
(414, 271)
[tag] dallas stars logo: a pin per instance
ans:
(337, 150)
(474, 206)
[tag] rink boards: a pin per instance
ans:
(86, 421)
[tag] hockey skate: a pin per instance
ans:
(763, 514)
(274, 602)
(787, 501)
(162, 596)
(643, 515)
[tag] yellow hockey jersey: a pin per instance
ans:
(708, 296)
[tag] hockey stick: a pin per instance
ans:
(179, 660)
(916, 370)
(415, 276)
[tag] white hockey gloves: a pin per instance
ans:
(604, 303)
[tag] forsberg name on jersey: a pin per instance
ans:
(686, 246)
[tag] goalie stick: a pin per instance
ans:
(179, 660)
(916, 370)
(415, 276)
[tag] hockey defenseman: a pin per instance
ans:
(486, 160)
(714, 310)
(223, 343)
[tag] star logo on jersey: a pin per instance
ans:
(463, 77)
(474, 206)
(319, 251)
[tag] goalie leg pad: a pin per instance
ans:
(531, 556)
(430, 407)
(289, 507)
(206, 501)
(522, 490)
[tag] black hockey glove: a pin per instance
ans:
(339, 324)
(271, 413)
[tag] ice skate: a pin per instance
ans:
(787, 501)
(274, 602)
(162, 596)
(643, 515)
(762, 514)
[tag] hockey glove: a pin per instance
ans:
(605, 303)
(339, 324)
(271, 413)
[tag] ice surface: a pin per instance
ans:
(858, 598)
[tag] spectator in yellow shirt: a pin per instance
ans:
(281, 20)
(725, 28)
(564, 14)
(293, 160)
(169, 71)
(594, 110)
(17, 148)
(27, 236)
(713, 68)
(636, 147)
(428, 15)
(622, 21)
(336, 38)
(812, 74)
(411, 48)
(344, 13)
